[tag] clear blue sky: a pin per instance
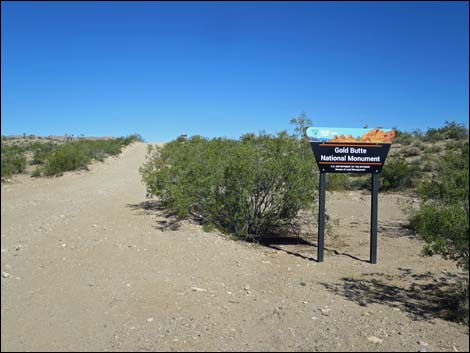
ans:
(223, 69)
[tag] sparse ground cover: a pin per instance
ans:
(89, 265)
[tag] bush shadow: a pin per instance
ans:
(167, 220)
(424, 296)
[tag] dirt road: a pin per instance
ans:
(87, 265)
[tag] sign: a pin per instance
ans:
(349, 150)
(343, 150)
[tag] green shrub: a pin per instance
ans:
(41, 151)
(78, 154)
(249, 187)
(418, 144)
(443, 219)
(36, 172)
(433, 149)
(12, 160)
(397, 174)
(66, 157)
(411, 151)
(403, 137)
(338, 182)
(450, 130)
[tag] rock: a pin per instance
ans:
(325, 311)
(374, 339)
(5, 274)
(196, 289)
(422, 343)
(246, 288)
(150, 319)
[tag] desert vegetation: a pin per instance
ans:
(256, 185)
(51, 157)
(248, 187)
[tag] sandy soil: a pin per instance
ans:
(89, 265)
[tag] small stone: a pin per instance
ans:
(325, 311)
(246, 288)
(64, 245)
(150, 319)
(374, 339)
(5, 274)
(422, 343)
(196, 289)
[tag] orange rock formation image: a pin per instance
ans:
(372, 136)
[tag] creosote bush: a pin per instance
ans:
(443, 218)
(55, 158)
(12, 160)
(248, 187)
(397, 174)
(78, 154)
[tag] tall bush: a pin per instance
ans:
(247, 187)
(443, 219)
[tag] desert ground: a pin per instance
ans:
(89, 264)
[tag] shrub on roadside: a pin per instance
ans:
(12, 160)
(66, 157)
(78, 154)
(41, 151)
(248, 187)
(443, 219)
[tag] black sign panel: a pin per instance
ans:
(343, 157)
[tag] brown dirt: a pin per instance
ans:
(92, 266)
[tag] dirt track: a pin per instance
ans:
(89, 266)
